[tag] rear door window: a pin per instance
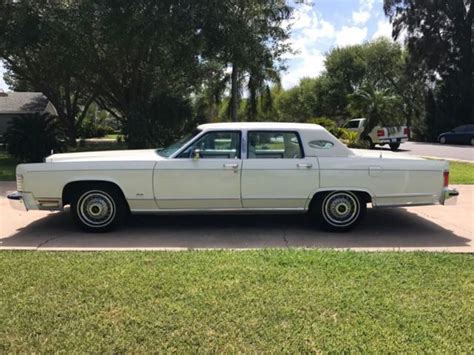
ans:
(274, 145)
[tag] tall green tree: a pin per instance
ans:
(37, 46)
(248, 36)
(440, 41)
(141, 56)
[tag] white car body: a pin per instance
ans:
(152, 183)
(379, 135)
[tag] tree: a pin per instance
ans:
(378, 66)
(37, 47)
(439, 37)
(141, 56)
(379, 107)
(248, 35)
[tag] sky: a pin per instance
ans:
(320, 25)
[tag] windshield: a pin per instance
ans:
(170, 150)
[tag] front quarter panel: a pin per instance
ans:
(134, 178)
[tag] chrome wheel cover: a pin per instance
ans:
(96, 209)
(341, 209)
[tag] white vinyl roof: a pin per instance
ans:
(259, 125)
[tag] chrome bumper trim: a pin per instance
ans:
(449, 194)
(16, 201)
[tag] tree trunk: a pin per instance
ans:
(71, 130)
(136, 130)
(234, 95)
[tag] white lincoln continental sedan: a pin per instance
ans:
(232, 168)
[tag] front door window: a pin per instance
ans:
(215, 145)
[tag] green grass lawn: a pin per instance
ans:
(223, 301)
(461, 173)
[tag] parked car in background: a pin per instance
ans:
(393, 136)
(459, 135)
(233, 168)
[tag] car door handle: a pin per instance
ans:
(304, 165)
(231, 166)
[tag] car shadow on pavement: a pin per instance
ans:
(383, 228)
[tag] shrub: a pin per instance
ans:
(32, 137)
(351, 139)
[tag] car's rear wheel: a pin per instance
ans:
(394, 146)
(99, 208)
(442, 140)
(472, 141)
(339, 211)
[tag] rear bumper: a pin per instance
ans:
(449, 194)
(392, 140)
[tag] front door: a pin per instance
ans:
(205, 176)
(276, 174)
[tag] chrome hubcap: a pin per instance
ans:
(341, 209)
(96, 208)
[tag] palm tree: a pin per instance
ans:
(379, 107)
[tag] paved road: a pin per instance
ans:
(456, 152)
(432, 228)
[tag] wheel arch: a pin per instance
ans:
(365, 194)
(72, 186)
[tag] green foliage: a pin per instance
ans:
(352, 139)
(377, 66)
(32, 137)
(264, 301)
(96, 124)
(41, 49)
(379, 107)
(439, 39)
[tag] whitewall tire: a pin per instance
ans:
(339, 210)
(98, 208)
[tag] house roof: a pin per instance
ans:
(22, 102)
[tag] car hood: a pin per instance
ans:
(112, 155)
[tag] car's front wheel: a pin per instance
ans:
(99, 208)
(472, 141)
(442, 140)
(339, 211)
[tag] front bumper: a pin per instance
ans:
(16, 201)
(26, 201)
(449, 196)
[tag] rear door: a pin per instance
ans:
(276, 174)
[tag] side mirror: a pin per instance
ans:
(196, 153)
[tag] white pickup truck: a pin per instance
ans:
(393, 136)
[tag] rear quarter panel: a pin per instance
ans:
(390, 182)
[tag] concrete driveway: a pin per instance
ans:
(432, 228)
